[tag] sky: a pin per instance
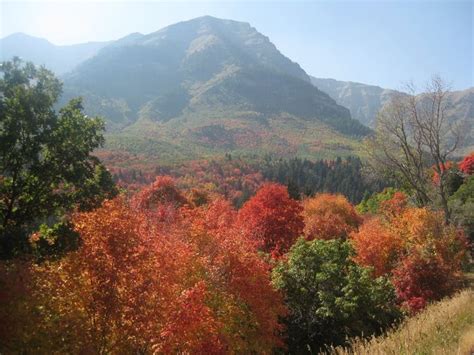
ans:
(386, 43)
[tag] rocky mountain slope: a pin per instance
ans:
(364, 101)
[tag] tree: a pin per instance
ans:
(197, 286)
(371, 204)
(420, 279)
(412, 133)
(377, 246)
(462, 204)
(422, 255)
(272, 219)
(329, 216)
(330, 297)
(46, 166)
(467, 164)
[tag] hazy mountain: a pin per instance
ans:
(362, 100)
(60, 59)
(196, 88)
(218, 84)
(462, 108)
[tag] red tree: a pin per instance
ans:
(272, 219)
(420, 279)
(197, 286)
(467, 164)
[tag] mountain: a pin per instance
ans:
(60, 59)
(209, 85)
(362, 100)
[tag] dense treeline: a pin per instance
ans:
(237, 178)
(305, 177)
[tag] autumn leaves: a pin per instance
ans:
(171, 271)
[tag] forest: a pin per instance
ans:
(213, 256)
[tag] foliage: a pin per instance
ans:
(377, 246)
(467, 164)
(329, 216)
(413, 245)
(343, 176)
(46, 167)
(272, 219)
(372, 204)
(330, 297)
(462, 204)
(135, 286)
(420, 279)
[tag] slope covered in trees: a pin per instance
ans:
(225, 257)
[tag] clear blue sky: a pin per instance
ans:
(378, 42)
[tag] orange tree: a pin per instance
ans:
(191, 284)
(403, 241)
(329, 216)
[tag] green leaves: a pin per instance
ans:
(330, 297)
(46, 167)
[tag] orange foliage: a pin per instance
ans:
(414, 246)
(394, 206)
(272, 219)
(328, 216)
(162, 192)
(377, 246)
(196, 286)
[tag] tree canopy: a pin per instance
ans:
(46, 166)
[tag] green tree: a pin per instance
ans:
(330, 297)
(46, 166)
(462, 204)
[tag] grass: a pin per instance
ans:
(445, 327)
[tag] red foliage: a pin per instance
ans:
(272, 219)
(467, 164)
(162, 192)
(329, 216)
(442, 168)
(191, 325)
(394, 206)
(197, 286)
(413, 245)
(160, 201)
(419, 279)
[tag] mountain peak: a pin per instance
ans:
(23, 37)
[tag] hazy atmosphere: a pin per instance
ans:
(324, 37)
(246, 177)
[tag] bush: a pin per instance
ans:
(330, 297)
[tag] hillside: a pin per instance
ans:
(207, 86)
(362, 100)
(59, 59)
(445, 327)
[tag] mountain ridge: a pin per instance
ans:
(59, 58)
